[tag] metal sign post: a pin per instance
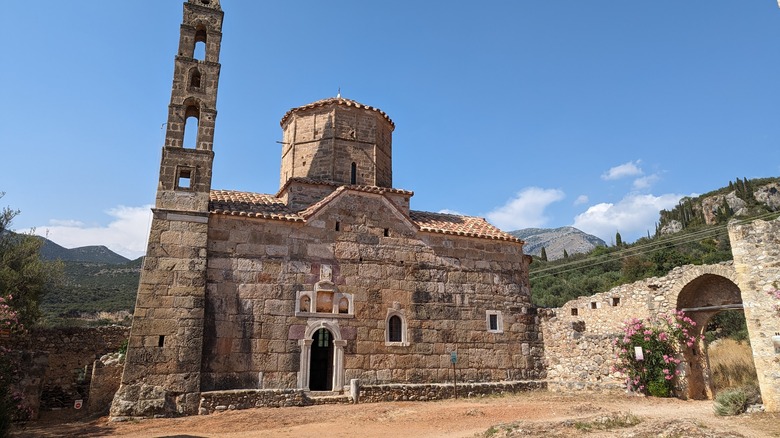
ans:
(453, 360)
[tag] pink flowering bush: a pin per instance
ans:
(12, 403)
(776, 294)
(660, 339)
(9, 318)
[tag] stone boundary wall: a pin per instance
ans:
(578, 336)
(216, 401)
(71, 354)
(441, 391)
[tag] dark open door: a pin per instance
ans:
(321, 367)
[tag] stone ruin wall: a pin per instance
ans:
(58, 362)
(578, 348)
(756, 248)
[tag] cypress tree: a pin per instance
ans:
(543, 255)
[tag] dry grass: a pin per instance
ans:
(731, 364)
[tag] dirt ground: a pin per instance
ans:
(534, 414)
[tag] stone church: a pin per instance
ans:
(332, 278)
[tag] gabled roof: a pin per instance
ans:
(338, 101)
(234, 203)
(319, 182)
(470, 226)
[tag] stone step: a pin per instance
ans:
(328, 398)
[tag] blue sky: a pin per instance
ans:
(546, 113)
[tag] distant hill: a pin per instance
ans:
(555, 240)
(97, 284)
(89, 254)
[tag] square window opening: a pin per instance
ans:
(574, 311)
(184, 179)
(594, 305)
(615, 301)
(494, 321)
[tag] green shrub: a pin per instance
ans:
(659, 388)
(735, 401)
(123, 347)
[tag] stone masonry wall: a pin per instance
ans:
(756, 248)
(71, 352)
(217, 401)
(442, 285)
(106, 376)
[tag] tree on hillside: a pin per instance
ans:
(543, 255)
(565, 254)
(618, 239)
(24, 277)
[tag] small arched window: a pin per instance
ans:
(191, 122)
(394, 329)
(344, 305)
(199, 52)
(353, 174)
(195, 79)
(305, 304)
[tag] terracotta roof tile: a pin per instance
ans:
(459, 225)
(234, 203)
(248, 204)
(337, 101)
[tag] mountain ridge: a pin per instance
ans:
(88, 254)
(556, 240)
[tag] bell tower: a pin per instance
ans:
(163, 361)
(185, 171)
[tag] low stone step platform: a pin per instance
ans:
(328, 398)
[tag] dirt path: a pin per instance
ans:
(538, 414)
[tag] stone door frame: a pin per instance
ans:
(338, 354)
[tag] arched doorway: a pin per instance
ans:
(322, 357)
(321, 361)
(701, 299)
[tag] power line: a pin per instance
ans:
(642, 249)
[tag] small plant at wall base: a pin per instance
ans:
(647, 352)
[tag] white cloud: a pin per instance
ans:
(645, 182)
(633, 216)
(622, 171)
(582, 199)
(125, 235)
(526, 209)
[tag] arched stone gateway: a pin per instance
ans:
(701, 298)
